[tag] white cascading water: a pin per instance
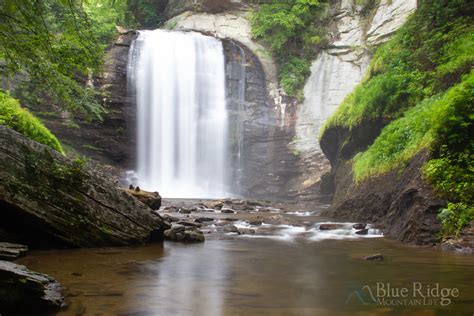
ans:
(178, 80)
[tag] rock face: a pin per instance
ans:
(263, 163)
(336, 72)
(48, 200)
(402, 204)
(111, 141)
(22, 290)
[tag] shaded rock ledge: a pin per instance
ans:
(48, 200)
(22, 290)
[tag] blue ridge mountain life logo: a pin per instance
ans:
(418, 294)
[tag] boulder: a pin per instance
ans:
(49, 200)
(183, 233)
(10, 251)
(22, 290)
(359, 226)
(152, 199)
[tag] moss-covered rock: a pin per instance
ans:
(50, 200)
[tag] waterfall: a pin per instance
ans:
(177, 80)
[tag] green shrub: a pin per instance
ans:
(19, 119)
(421, 84)
(455, 217)
(293, 31)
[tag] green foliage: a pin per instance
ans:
(293, 74)
(429, 54)
(438, 121)
(292, 30)
(19, 119)
(421, 84)
(51, 44)
(455, 217)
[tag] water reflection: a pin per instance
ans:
(251, 276)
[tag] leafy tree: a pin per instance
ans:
(51, 46)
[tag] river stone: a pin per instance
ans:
(10, 251)
(23, 290)
(227, 211)
(190, 224)
(203, 219)
(330, 226)
(183, 233)
(50, 200)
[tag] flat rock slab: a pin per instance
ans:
(10, 251)
(22, 290)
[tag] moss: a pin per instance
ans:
(421, 85)
(15, 117)
(428, 55)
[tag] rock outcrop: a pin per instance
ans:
(112, 140)
(336, 72)
(50, 200)
(22, 290)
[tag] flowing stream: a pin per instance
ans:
(178, 82)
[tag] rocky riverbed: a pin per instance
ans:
(197, 220)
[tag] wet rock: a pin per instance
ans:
(245, 231)
(375, 257)
(256, 223)
(203, 219)
(187, 210)
(359, 226)
(171, 209)
(229, 219)
(10, 251)
(152, 199)
(170, 218)
(22, 290)
(227, 211)
(330, 226)
(230, 229)
(364, 231)
(254, 203)
(182, 233)
(214, 205)
(190, 224)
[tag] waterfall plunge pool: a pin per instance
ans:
(284, 269)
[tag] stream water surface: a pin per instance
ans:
(257, 276)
